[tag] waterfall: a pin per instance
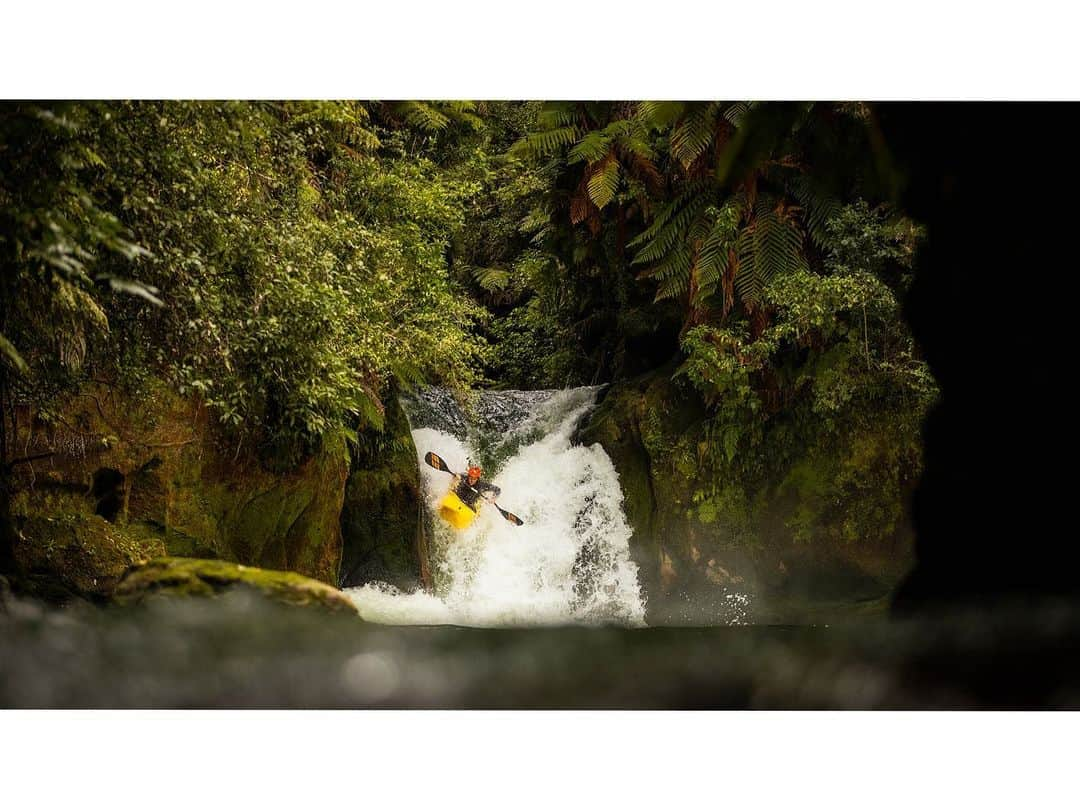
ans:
(568, 563)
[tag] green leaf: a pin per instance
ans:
(126, 285)
(7, 348)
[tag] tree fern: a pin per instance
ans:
(464, 112)
(735, 111)
(771, 244)
(556, 115)
(714, 255)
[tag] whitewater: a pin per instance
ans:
(570, 561)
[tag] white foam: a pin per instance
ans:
(569, 562)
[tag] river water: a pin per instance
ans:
(241, 650)
(569, 563)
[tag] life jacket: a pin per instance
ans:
(470, 494)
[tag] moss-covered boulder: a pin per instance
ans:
(76, 555)
(381, 525)
(158, 460)
(180, 577)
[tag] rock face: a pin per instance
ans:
(79, 555)
(158, 463)
(696, 568)
(179, 577)
(380, 519)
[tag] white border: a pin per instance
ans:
(537, 759)
(553, 49)
(827, 49)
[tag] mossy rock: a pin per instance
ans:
(380, 516)
(182, 577)
(159, 458)
(79, 554)
(690, 552)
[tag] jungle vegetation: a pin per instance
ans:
(285, 262)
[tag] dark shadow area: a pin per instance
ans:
(107, 491)
(994, 185)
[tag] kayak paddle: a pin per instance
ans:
(433, 460)
(514, 518)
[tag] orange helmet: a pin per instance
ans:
(475, 471)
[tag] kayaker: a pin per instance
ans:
(460, 505)
(470, 488)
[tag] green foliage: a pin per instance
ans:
(747, 220)
(831, 394)
(300, 249)
(309, 253)
(54, 237)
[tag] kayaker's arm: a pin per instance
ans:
(488, 491)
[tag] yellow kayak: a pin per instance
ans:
(456, 512)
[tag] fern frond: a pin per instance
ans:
(422, 114)
(780, 249)
(663, 216)
(604, 181)
(673, 273)
(747, 284)
(555, 115)
(658, 115)
(693, 133)
(593, 147)
(735, 111)
(644, 170)
(491, 279)
(545, 142)
(674, 229)
(714, 255)
(635, 143)
(818, 205)
(581, 207)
